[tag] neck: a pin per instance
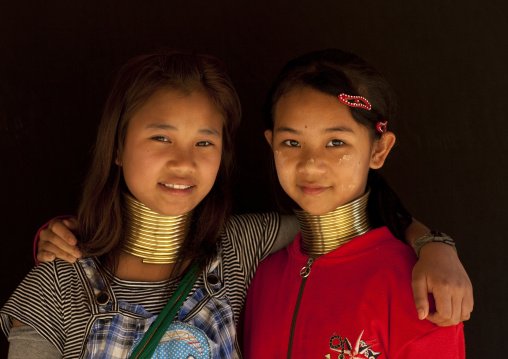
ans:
(154, 238)
(324, 233)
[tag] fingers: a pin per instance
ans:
(448, 309)
(64, 229)
(58, 241)
(420, 296)
(47, 251)
(467, 303)
(440, 273)
(454, 304)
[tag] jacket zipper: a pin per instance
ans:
(304, 273)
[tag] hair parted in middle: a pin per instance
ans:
(100, 210)
(333, 72)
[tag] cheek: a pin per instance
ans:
(348, 161)
(133, 165)
(281, 165)
(351, 171)
(211, 166)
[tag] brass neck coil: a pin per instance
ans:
(154, 237)
(324, 233)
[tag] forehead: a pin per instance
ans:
(312, 107)
(169, 100)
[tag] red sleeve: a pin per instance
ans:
(448, 342)
(36, 239)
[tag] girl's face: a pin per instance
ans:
(172, 151)
(322, 155)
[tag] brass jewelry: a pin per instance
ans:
(324, 233)
(151, 236)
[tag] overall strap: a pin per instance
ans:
(100, 295)
(213, 277)
(152, 338)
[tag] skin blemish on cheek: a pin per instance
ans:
(346, 157)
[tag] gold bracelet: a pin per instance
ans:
(432, 236)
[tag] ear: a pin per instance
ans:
(381, 149)
(118, 158)
(268, 136)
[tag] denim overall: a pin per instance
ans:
(203, 328)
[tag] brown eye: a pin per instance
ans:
(292, 143)
(160, 138)
(335, 143)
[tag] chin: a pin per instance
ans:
(170, 211)
(317, 211)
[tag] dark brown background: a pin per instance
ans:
(446, 61)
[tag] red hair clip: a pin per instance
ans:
(381, 126)
(354, 101)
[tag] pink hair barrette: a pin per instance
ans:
(355, 101)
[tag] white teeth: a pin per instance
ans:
(176, 186)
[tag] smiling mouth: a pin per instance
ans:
(313, 190)
(175, 186)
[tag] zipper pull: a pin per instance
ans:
(305, 271)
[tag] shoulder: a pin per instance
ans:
(58, 272)
(387, 246)
(49, 296)
(390, 261)
(50, 281)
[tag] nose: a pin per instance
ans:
(311, 163)
(181, 160)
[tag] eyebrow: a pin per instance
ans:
(328, 130)
(164, 126)
(339, 129)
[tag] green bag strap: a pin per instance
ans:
(154, 334)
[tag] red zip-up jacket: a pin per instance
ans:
(357, 301)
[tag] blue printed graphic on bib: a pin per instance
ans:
(182, 341)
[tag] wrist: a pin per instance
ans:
(432, 237)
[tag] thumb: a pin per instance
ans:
(420, 293)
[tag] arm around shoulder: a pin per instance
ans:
(440, 272)
(288, 229)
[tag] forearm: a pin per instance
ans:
(415, 230)
(288, 229)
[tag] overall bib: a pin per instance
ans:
(203, 327)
